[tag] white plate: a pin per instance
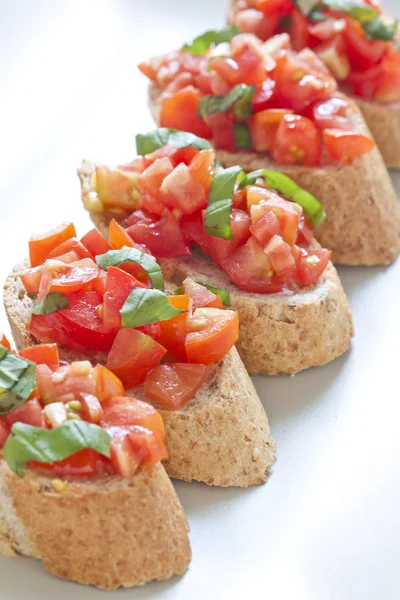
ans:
(326, 525)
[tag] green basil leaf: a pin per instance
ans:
(51, 303)
(242, 135)
(287, 187)
(113, 258)
(381, 28)
(146, 143)
(240, 96)
(178, 291)
(203, 42)
(221, 292)
(28, 443)
(357, 10)
(217, 218)
(17, 380)
(144, 306)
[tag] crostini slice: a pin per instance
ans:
(69, 508)
(281, 332)
(221, 436)
(260, 123)
(363, 57)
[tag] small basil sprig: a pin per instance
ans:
(357, 10)
(17, 380)
(48, 446)
(239, 97)
(288, 188)
(144, 306)
(380, 28)
(221, 292)
(113, 258)
(50, 303)
(203, 42)
(217, 218)
(242, 135)
(146, 143)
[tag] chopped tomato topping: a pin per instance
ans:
(81, 464)
(40, 246)
(180, 112)
(162, 236)
(240, 226)
(312, 264)
(297, 141)
(107, 384)
(212, 333)
(119, 285)
(4, 341)
(95, 243)
(42, 354)
(174, 385)
(71, 245)
(345, 146)
(200, 295)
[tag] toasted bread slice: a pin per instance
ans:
(221, 437)
(363, 213)
(104, 531)
(279, 333)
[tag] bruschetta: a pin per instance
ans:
(174, 351)
(81, 483)
(265, 106)
(209, 225)
(356, 42)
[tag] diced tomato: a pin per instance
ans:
(65, 384)
(180, 112)
(116, 188)
(183, 155)
(280, 256)
(200, 295)
(305, 231)
(271, 7)
(4, 341)
(345, 146)
(253, 21)
(201, 167)
(79, 324)
(175, 384)
(298, 31)
(137, 165)
(153, 330)
(222, 131)
(118, 236)
(71, 245)
(264, 125)
(297, 141)
(127, 411)
(227, 68)
(107, 384)
(95, 242)
(332, 114)
(150, 181)
(174, 331)
(40, 246)
(333, 55)
(265, 228)
(219, 248)
(312, 264)
(362, 52)
(30, 413)
(68, 257)
(119, 285)
(4, 433)
(192, 227)
(124, 458)
(212, 333)
(327, 29)
(288, 214)
(262, 96)
(149, 69)
(92, 410)
(147, 441)
(249, 267)
(163, 237)
(219, 86)
(67, 278)
(82, 464)
(42, 354)
(249, 58)
(31, 279)
(187, 193)
(133, 355)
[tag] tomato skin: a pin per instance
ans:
(107, 384)
(188, 194)
(119, 285)
(68, 386)
(200, 295)
(80, 464)
(30, 413)
(127, 411)
(132, 355)
(305, 231)
(118, 236)
(132, 447)
(280, 256)
(212, 333)
(174, 331)
(288, 214)
(42, 354)
(265, 228)
(362, 52)
(40, 246)
(262, 96)
(264, 125)
(92, 410)
(71, 245)
(299, 33)
(312, 264)
(219, 248)
(174, 385)
(346, 146)
(31, 279)
(150, 181)
(297, 141)
(162, 236)
(4, 341)
(192, 227)
(222, 131)
(249, 59)
(68, 278)
(95, 242)
(332, 114)
(200, 168)
(180, 112)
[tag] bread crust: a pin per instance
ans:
(363, 213)
(108, 532)
(279, 333)
(221, 437)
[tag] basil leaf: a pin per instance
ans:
(357, 10)
(146, 143)
(178, 291)
(242, 135)
(217, 218)
(144, 306)
(113, 258)
(380, 28)
(203, 42)
(287, 187)
(50, 445)
(17, 380)
(240, 96)
(221, 292)
(51, 303)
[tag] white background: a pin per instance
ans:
(326, 525)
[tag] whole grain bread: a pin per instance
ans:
(383, 120)
(279, 333)
(221, 437)
(104, 531)
(363, 213)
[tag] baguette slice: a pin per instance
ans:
(382, 119)
(221, 437)
(279, 333)
(108, 532)
(363, 213)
